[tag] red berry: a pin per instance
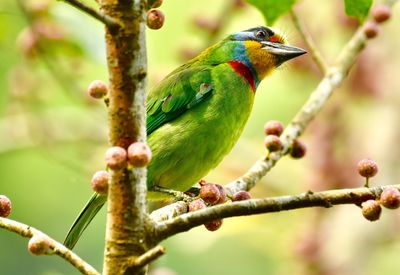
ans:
(196, 205)
(367, 168)
(273, 127)
(139, 154)
(100, 182)
(371, 29)
(381, 13)
(209, 192)
(390, 198)
(273, 143)
(298, 149)
(39, 244)
(155, 19)
(116, 158)
(371, 210)
(241, 196)
(213, 225)
(5, 206)
(97, 89)
(222, 194)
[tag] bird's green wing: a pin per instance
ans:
(179, 92)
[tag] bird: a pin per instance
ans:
(196, 114)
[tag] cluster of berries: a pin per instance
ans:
(380, 13)
(213, 194)
(155, 18)
(273, 129)
(389, 198)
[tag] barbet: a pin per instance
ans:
(197, 113)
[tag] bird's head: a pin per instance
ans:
(263, 49)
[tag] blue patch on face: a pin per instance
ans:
(240, 54)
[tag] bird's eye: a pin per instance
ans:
(261, 34)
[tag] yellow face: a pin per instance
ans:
(263, 61)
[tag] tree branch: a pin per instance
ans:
(315, 53)
(147, 257)
(325, 199)
(106, 20)
(59, 249)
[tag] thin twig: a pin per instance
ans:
(148, 257)
(108, 21)
(315, 53)
(28, 232)
(325, 199)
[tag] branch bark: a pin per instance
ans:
(127, 221)
(59, 249)
(325, 199)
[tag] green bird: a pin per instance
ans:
(197, 113)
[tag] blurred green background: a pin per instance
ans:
(53, 137)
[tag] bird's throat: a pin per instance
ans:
(245, 72)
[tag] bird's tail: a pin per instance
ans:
(92, 207)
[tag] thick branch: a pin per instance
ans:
(28, 232)
(108, 21)
(127, 221)
(315, 54)
(326, 199)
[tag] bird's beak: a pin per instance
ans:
(281, 51)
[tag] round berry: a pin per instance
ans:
(367, 168)
(100, 182)
(381, 13)
(298, 149)
(38, 245)
(5, 206)
(155, 19)
(139, 154)
(196, 205)
(97, 89)
(390, 198)
(273, 127)
(371, 29)
(209, 192)
(371, 210)
(222, 194)
(241, 196)
(273, 143)
(116, 158)
(213, 225)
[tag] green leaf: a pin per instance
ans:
(357, 8)
(272, 9)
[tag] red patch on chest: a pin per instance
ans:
(243, 71)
